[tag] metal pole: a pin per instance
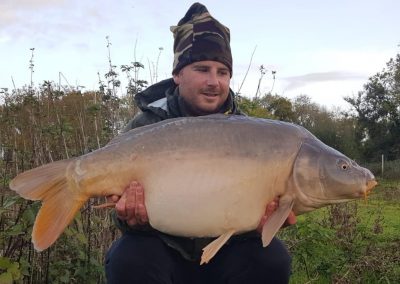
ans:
(383, 159)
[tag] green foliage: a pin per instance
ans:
(268, 106)
(9, 271)
(37, 127)
(347, 243)
(252, 107)
(378, 113)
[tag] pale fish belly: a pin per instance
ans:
(205, 195)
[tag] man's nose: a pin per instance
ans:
(212, 79)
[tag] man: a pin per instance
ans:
(200, 86)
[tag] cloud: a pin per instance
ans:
(48, 22)
(11, 11)
(295, 82)
(12, 6)
(4, 39)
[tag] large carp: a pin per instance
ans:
(209, 176)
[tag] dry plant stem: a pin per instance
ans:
(247, 71)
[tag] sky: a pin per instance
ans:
(324, 49)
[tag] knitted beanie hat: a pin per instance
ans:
(198, 37)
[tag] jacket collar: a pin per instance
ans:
(163, 99)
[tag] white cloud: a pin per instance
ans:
(11, 11)
(4, 38)
(48, 21)
(14, 5)
(302, 80)
(362, 61)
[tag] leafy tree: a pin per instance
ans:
(377, 110)
(268, 106)
(253, 107)
(280, 107)
(334, 129)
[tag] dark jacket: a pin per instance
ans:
(162, 101)
(159, 102)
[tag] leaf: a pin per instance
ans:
(78, 222)
(6, 278)
(16, 230)
(14, 270)
(82, 238)
(24, 267)
(65, 278)
(29, 215)
(5, 263)
(10, 200)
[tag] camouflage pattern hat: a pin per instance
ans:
(198, 36)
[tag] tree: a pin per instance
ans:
(280, 107)
(377, 110)
(334, 129)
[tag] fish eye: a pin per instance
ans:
(343, 165)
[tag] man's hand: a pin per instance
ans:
(271, 207)
(130, 206)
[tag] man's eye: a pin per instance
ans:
(201, 69)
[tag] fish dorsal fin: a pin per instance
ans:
(212, 248)
(276, 220)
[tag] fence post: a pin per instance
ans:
(383, 162)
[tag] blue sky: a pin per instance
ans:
(325, 49)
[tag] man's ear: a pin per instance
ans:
(176, 78)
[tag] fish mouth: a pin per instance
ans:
(370, 186)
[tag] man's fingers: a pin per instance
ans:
(141, 213)
(139, 195)
(262, 222)
(130, 204)
(132, 221)
(130, 207)
(271, 207)
(113, 198)
(120, 207)
(291, 219)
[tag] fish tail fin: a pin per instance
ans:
(60, 202)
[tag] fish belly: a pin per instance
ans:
(206, 196)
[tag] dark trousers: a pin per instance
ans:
(143, 259)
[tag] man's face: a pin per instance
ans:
(204, 86)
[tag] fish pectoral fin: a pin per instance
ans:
(276, 220)
(212, 248)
